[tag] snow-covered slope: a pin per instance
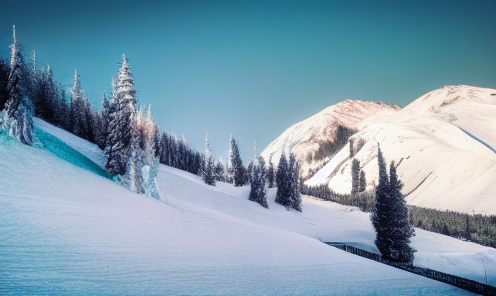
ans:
(443, 144)
(67, 231)
(305, 138)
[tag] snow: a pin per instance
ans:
(67, 231)
(304, 138)
(444, 145)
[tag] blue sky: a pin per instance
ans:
(254, 68)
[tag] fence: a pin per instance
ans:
(466, 284)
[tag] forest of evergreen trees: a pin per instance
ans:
(480, 229)
(133, 143)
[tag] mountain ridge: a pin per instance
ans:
(443, 144)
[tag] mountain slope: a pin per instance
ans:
(443, 144)
(306, 137)
(67, 231)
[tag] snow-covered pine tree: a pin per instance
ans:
(391, 217)
(149, 170)
(142, 166)
(258, 192)
(401, 229)
(16, 117)
(219, 171)
(355, 177)
(133, 179)
(363, 182)
(238, 170)
(208, 168)
(283, 196)
(103, 122)
(270, 175)
(122, 106)
(4, 80)
(294, 184)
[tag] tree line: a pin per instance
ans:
(130, 137)
(478, 228)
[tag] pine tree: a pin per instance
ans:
(294, 184)
(363, 182)
(382, 211)
(283, 196)
(238, 171)
(355, 177)
(122, 107)
(401, 228)
(258, 192)
(391, 218)
(208, 169)
(150, 168)
(270, 175)
(4, 80)
(16, 118)
(219, 171)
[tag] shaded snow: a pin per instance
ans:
(67, 231)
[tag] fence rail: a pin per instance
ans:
(463, 283)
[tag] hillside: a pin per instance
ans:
(443, 144)
(66, 230)
(306, 138)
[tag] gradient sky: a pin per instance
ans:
(254, 68)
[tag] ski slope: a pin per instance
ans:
(67, 231)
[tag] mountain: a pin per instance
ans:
(66, 230)
(443, 144)
(312, 138)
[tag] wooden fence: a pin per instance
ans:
(466, 284)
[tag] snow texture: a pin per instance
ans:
(444, 144)
(67, 231)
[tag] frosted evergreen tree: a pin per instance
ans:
(283, 179)
(122, 107)
(355, 177)
(208, 167)
(219, 171)
(150, 167)
(238, 171)
(16, 117)
(135, 161)
(363, 182)
(258, 190)
(4, 80)
(81, 111)
(142, 165)
(294, 184)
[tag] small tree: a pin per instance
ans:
(270, 175)
(238, 171)
(258, 192)
(294, 184)
(283, 196)
(355, 177)
(208, 168)
(363, 182)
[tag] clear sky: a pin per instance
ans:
(254, 68)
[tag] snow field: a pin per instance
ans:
(65, 230)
